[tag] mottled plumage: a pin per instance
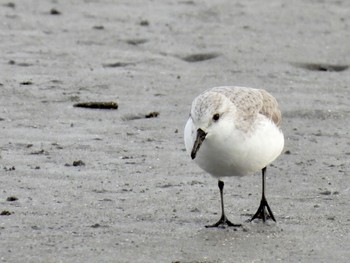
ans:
(248, 102)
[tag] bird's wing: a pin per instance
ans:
(270, 107)
(250, 102)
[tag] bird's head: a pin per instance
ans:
(208, 113)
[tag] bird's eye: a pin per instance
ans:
(216, 117)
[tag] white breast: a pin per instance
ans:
(238, 153)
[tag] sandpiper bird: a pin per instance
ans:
(234, 131)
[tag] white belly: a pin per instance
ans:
(240, 153)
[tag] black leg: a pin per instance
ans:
(262, 213)
(223, 220)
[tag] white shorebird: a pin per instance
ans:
(234, 131)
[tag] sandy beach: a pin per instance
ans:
(116, 185)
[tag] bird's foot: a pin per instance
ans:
(223, 222)
(264, 211)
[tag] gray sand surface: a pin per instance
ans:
(139, 197)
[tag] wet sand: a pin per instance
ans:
(112, 185)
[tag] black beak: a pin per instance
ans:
(198, 142)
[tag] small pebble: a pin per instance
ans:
(54, 11)
(11, 198)
(78, 163)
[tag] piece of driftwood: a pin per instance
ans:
(98, 105)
